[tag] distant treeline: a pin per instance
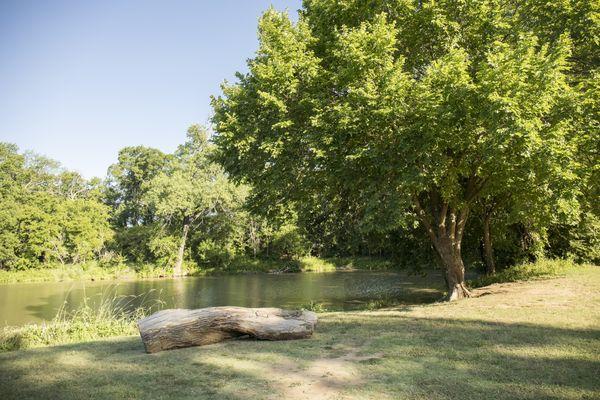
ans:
(153, 208)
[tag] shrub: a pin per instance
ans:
(213, 254)
(288, 243)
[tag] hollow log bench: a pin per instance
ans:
(170, 329)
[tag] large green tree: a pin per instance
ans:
(412, 109)
(136, 166)
(190, 190)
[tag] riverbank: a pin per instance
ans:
(105, 311)
(523, 340)
(93, 271)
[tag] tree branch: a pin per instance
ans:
(442, 220)
(423, 217)
(464, 214)
(452, 225)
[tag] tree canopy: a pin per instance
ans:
(414, 110)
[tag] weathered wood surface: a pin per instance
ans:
(170, 329)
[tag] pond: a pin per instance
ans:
(36, 302)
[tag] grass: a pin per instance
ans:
(306, 264)
(94, 271)
(527, 340)
(113, 316)
(314, 264)
(541, 269)
(90, 271)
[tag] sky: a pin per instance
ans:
(80, 80)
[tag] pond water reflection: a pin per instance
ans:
(36, 302)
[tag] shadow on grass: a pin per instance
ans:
(392, 356)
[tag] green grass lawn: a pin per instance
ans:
(524, 340)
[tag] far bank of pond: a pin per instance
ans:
(36, 302)
(97, 271)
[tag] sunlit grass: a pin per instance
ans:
(541, 269)
(90, 271)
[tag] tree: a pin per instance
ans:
(189, 190)
(413, 111)
(48, 214)
(125, 184)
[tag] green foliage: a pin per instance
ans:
(211, 253)
(314, 264)
(366, 128)
(580, 241)
(163, 249)
(315, 307)
(91, 270)
(49, 214)
(189, 201)
(192, 194)
(374, 114)
(288, 243)
(124, 189)
(134, 243)
(112, 266)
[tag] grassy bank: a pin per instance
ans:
(112, 317)
(305, 264)
(541, 269)
(525, 340)
(93, 271)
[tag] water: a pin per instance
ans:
(36, 302)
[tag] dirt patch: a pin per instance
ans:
(323, 379)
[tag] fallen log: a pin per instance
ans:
(170, 329)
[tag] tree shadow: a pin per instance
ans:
(383, 356)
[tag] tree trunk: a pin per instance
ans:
(170, 329)
(488, 251)
(178, 268)
(446, 235)
(454, 269)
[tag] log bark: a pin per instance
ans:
(170, 329)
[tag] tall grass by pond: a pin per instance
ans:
(97, 271)
(114, 315)
(307, 264)
(89, 271)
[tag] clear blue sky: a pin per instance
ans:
(81, 79)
